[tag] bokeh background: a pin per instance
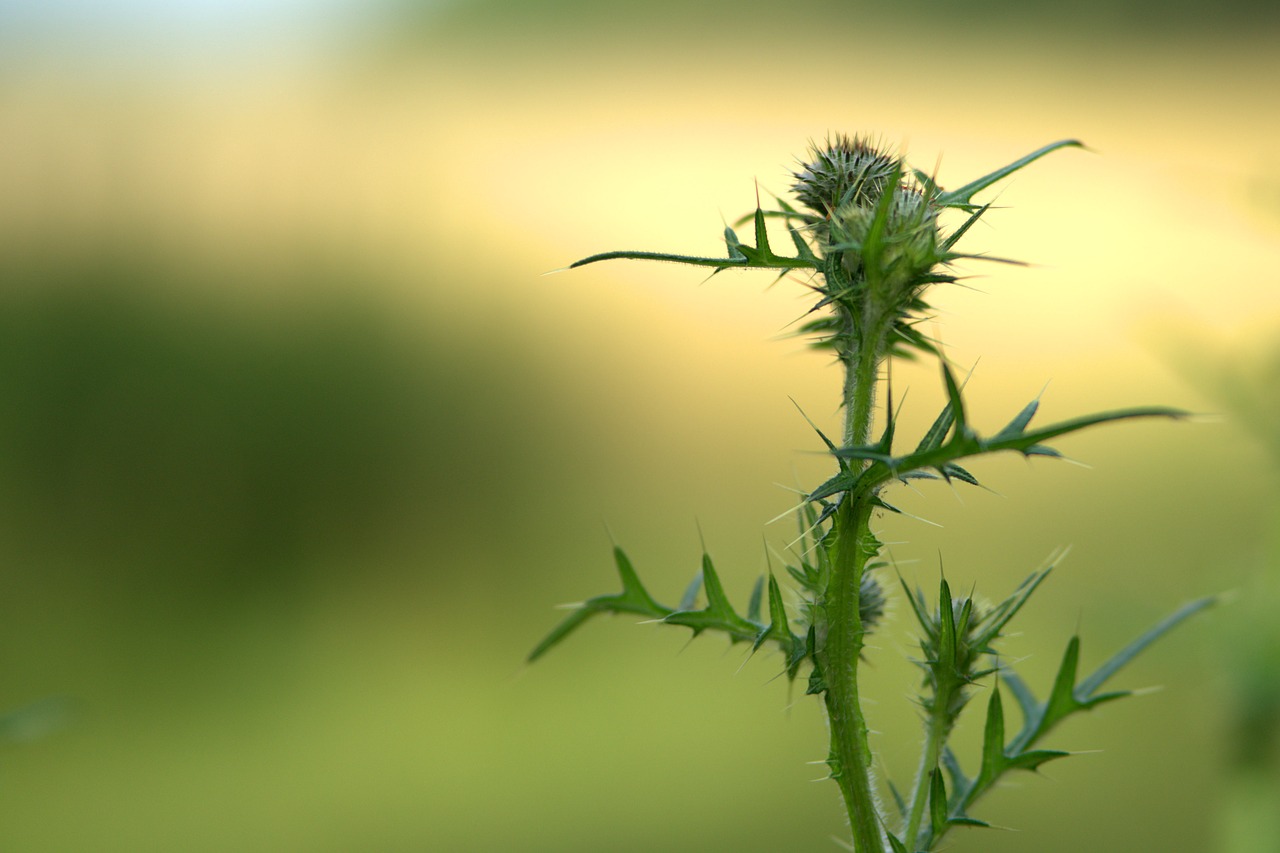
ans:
(299, 446)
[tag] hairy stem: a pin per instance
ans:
(936, 732)
(861, 360)
(850, 751)
(852, 546)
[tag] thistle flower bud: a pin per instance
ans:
(846, 171)
(909, 238)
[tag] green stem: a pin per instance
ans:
(853, 545)
(935, 738)
(850, 757)
(861, 372)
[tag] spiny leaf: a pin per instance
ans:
(779, 630)
(959, 781)
(918, 605)
(937, 433)
(947, 628)
(1062, 699)
(1000, 615)
(817, 682)
(955, 400)
(753, 605)
(872, 248)
(1091, 684)
(1019, 423)
(739, 255)
(762, 233)
(1032, 759)
(960, 198)
(633, 599)
(968, 223)
(1027, 701)
(938, 817)
(564, 629)
(993, 760)
(952, 471)
(690, 597)
(1027, 440)
(964, 443)
(633, 590)
(885, 444)
(718, 614)
(733, 243)
(841, 482)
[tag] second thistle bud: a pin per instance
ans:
(909, 240)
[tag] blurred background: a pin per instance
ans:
(298, 446)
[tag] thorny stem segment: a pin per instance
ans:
(850, 758)
(853, 545)
(936, 733)
(861, 359)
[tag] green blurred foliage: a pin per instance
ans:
(1102, 19)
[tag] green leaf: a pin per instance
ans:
(1025, 441)
(1032, 759)
(918, 605)
(739, 254)
(961, 197)
(690, 597)
(1027, 702)
(762, 233)
(937, 433)
(1019, 423)
(718, 614)
(959, 781)
(633, 599)
(753, 605)
(947, 629)
(733, 243)
(841, 482)
(993, 760)
(952, 471)
(1090, 685)
(817, 683)
(955, 400)
(872, 248)
(779, 630)
(885, 444)
(1000, 615)
(955, 236)
(1062, 698)
(965, 443)
(938, 818)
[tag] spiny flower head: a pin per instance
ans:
(909, 238)
(845, 171)
(956, 635)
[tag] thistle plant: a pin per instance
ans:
(871, 238)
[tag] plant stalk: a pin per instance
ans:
(853, 545)
(935, 738)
